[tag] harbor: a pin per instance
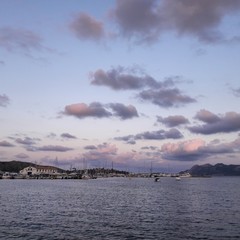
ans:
(50, 172)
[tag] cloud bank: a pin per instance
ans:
(146, 21)
(197, 149)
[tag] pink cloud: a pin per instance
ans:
(82, 110)
(186, 146)
(197, 149)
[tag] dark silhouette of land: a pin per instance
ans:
(14, 166)
(219, 169)
(17, 166)
(205, 170)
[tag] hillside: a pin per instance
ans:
(219, 169)
(14, 166)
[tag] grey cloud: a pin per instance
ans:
(161, 93)
(67, 135)
(198, 18)
(13, 39)
(49, 148)
(98, 110)
(121, 78)
(138, 18)
(184, 156)
(86, 27)
(207, 117)
(154, 135)
(173, 133)
(173, 121)
(230, 122)
(129, 139)
(6, 144)
(146, 20)
(27, 141)
(22, 156)
(215, 141)
(131, 142)
(51, 135)
(124, 112)
(152, 148)
(236, 92)
(4, 100)
(166, 97)
(160, 135)
(90, 147)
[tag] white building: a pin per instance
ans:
(40, 171)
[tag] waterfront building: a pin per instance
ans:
(40, 172)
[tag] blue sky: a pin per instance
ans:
(130, 82)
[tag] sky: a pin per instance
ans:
(132, 84)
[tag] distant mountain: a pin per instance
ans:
(219, 169)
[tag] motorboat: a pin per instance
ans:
(157, 179)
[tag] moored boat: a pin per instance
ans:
(7, 175)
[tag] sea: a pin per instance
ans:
(120, 208)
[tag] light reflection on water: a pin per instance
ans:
(120, 208)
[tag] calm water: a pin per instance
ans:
(120, 208)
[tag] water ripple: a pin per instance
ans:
(119, 208)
